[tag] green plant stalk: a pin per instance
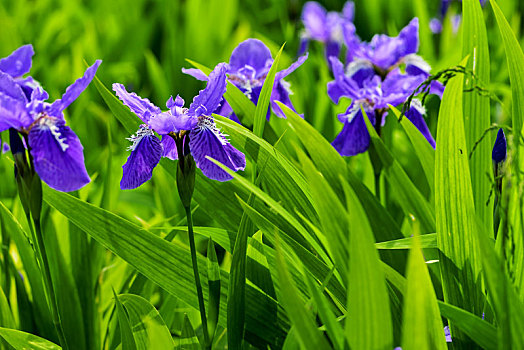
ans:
(48, 284)
(200, 294)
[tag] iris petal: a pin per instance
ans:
(138, 105)
(416, 115)
(74, 90)
(19, 62)
(58, 155)
(139, 166)
(209, 98)
(354, 137)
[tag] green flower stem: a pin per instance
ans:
(197, 277)
(48, 284)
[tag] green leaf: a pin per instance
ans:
(422, 326)
(483, 333)
(307, 334)
(265, 95)
(454, 205)
(257, 266)
(167, 264)
(27, 256)
(126, 333)
(20, 340)
(515, 215)
(188, 339)
(424, 151)
(149, 329)
(428, 240)
(333, 327)
(476, 108)
(408, 196)
(368, 324)
(6, 317)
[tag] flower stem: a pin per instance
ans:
(48, 284)
(201, 305)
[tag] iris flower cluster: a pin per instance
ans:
(55, 150)
(379, 73)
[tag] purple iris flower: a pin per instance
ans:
(248, 67)
(374, 95)
(373, 80)
(56, 150)
(326, 27)
(194, 127)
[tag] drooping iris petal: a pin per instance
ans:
(252, 53)
(195, 73)
(74, 90)
(13, 113)
(169, 146)
(19, 62)
(499, 148)
(208, 100)
(58, 155)
(146, 152)
(206, 140)
(354, 137)
(138, 105)
(416, 115)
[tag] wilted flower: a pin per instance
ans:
(184, 130)
(248, 67)
(326, 27)
(55, 149)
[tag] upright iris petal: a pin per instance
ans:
(18, 62)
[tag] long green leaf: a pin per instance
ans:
(307, 332)
(126, 333)
(149, 329)
(422, 326)
(409, 197)
(369, 324)
(167, 264)
(455, 207)
(20, 340)
(476, 108)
